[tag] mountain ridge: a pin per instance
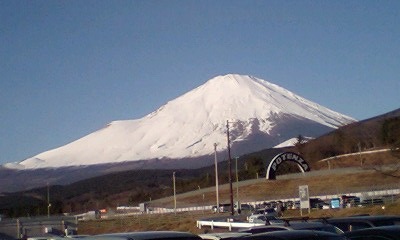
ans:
(322, 147)
(189, 125)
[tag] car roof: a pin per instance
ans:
(145, 235)
(223, 235)
(393, 231)
(293, 226)
(255, 228)
(379, 220)
(299, 224)
(294, 234)
(366, 217)
(269, 217)
(296, 225)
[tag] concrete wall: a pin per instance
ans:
(23, 228)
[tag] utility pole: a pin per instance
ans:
(48, 201)
(216, 175)
(237, 183)
(173, 180)
(230, 168)
(359, 152)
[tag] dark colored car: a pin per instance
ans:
(317, 226)
(265, 211)
(360, 222)
(150, 235)
(375, 233)
(316, 203)
(294, 235)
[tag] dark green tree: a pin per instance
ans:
(254, 166)
(299, 145)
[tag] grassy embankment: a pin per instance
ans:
(187, 221)
(254, 191)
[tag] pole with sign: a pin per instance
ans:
(304, 198)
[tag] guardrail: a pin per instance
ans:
(158, 210)
(356, 154)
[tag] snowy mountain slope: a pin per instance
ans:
(260, 114)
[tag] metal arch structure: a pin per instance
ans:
(284, 157)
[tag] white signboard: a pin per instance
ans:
(304, 197)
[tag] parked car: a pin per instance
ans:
(265, 211)
(294, 235)
(265, 219)
(375, 233)
(318, 226)
(245, 207)
(296, 205)
(226, 207)
(350, 201)
(288, 204)
(347, 224)
(150, 235)
(317, 203)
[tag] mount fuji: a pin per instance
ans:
(259, 114)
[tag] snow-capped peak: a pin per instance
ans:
(189, 125)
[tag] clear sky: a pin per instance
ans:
(67, 68)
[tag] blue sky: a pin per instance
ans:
(68, 68)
